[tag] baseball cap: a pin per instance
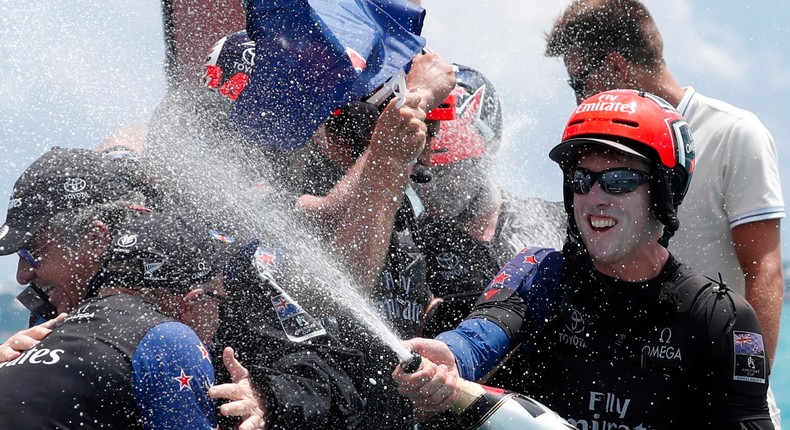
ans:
(166, 250)
(61, 179)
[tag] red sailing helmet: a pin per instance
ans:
(636, 123)
(470, 120)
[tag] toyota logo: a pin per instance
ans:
(576, 324)
(447, 260)
(74, 185)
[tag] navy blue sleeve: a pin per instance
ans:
(515, 304)
(478, 345)
(171, 375)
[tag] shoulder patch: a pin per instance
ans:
(749, 360)
(529, 266)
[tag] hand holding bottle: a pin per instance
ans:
(437, 387)
(434, 386)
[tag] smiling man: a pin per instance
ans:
(615, 331)
(732, 212)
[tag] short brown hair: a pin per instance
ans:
(598, 27)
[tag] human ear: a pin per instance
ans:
(620, 68)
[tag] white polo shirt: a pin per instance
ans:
(736, 181)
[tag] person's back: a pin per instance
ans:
(81, 375)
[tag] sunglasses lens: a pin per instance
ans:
(581, 181)
(620, 181)
(24, 253)
(613, 181)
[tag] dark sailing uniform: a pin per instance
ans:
(307, 375)
(116, 362)
(460, 266)
(676, 352)
(400, 295)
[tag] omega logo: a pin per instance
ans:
(665, 336)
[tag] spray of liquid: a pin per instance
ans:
(191, 155)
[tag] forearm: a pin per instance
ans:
(765, 294)
(758, 250)
(360, 209)
(361, 212)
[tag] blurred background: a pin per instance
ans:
(73, 72)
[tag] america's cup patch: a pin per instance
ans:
(297, 324)
(749, 351)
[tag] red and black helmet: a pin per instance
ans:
(230, 63)
(636, 123)
(470, 120)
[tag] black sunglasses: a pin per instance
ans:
(619, 180)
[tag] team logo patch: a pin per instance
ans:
(183, 381)
(749, 351)
(127, 240)
(74, 185)
(267, 260)
(501, 278)
(3, 231)
(298, 325)
(151, 270)
(15, 203)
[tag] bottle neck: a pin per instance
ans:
(470, 392)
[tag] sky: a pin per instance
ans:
(72, 72)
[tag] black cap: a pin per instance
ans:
(158, 250)
(61, 179)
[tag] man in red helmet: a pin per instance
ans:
(617, 333)
(731, 217)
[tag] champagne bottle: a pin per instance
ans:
(480, 407)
